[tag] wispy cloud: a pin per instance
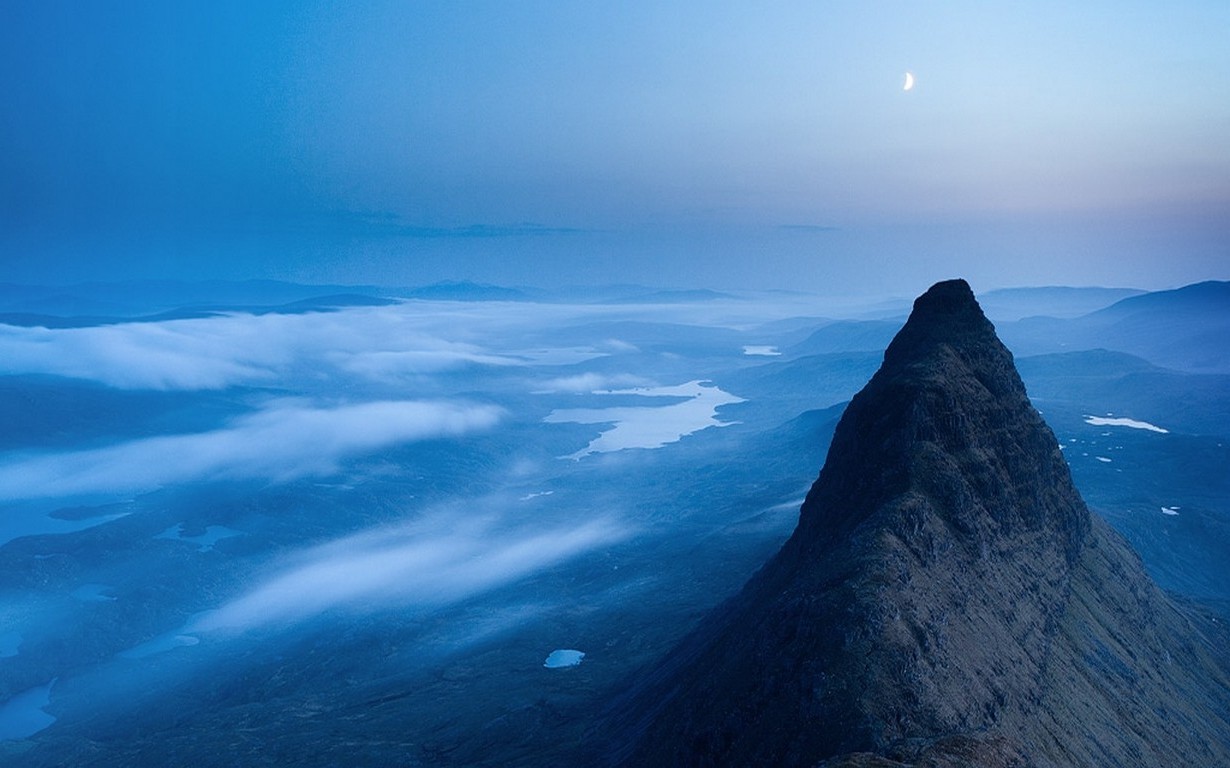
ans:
(589, 382)
(286, 441)
(391, 365)
(432, 562)
(172, 355)
(216, 352)
(376, 344)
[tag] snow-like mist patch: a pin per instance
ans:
(284, 442)
(1103, 421)
(760, 350)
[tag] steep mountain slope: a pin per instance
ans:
(946, 600)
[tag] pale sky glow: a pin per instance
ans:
(405, 143)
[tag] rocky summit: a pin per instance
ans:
(947, 599)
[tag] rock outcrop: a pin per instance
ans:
(946, 600)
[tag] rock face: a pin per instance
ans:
(946, 600)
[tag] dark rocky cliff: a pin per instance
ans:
(946, 600)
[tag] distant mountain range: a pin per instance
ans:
(1186, 329)
(1056, 301)
(315, 304)
(93, 304)
(946, 600)
(151, 300)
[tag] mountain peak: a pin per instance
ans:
(947, 420)
(947, 313)
(946, 319)
(946, 599)
(948, 298)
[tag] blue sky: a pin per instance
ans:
(696, 144)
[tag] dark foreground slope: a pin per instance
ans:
(946, 600)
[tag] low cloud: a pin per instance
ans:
(428, 563)
(386, 344)
(284, 442)
(589, 382)
(392, 365)
(239, 349)
(181, 354)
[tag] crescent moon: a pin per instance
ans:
(909, 81)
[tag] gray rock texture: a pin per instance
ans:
(946, 600)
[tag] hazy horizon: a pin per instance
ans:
(694, 145)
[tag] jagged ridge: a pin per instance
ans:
(946, 598)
